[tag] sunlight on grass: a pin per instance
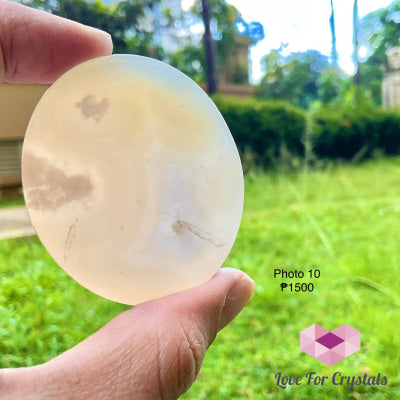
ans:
(343, 220)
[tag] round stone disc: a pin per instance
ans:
(132, 179)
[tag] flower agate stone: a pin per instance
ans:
(132, 179)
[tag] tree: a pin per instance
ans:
(375, 33)
(294, 77)
(355, 44)
(209, 49)
(226, 25)
(378, 32)
(190, 59)
(124, 21)
(334, 54)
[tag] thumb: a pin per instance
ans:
(37, 47)
(153, 351)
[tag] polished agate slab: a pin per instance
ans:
(132, 179)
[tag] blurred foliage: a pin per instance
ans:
(349, 97)
(379, 31)
(309, 79)
(328, 85)
(134, 29)
(226, 23)
(191, 61)
(223, 17)
(253, 30)
(355, 134)
(294, 77)
(305, 79)
(264, 128)
(267, 130)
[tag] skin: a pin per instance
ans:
(154, 350)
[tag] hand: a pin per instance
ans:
(37, 47)
(155, 350)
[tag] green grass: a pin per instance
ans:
(343, 220)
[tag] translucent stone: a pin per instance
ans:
(132, 179)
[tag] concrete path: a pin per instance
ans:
(15, 222)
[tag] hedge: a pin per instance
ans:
(266, 127)
(346, 135)
(263, 127)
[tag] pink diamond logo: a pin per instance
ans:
(330, 347)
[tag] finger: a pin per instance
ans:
(37, 47)
(154, 350)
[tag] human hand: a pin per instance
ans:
(37, 47)
(155, 350)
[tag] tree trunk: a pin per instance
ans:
(334, 54)
(209, 49)
(355, 44)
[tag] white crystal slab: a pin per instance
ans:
(132, 179)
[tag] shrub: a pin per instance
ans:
(389, 132)
(264, 127)
(273, 129)
(357, 134)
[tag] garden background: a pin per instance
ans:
(322, 190)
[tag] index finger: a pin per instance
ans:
(38, 47)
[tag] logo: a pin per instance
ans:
(330, 347)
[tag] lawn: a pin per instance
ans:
(342, 220)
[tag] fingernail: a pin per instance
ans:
(236, 299)
(99, 32)
(103, 36)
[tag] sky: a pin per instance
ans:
(303, 24)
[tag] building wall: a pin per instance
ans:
(17, 103)
(391, 89)
(391, 79)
